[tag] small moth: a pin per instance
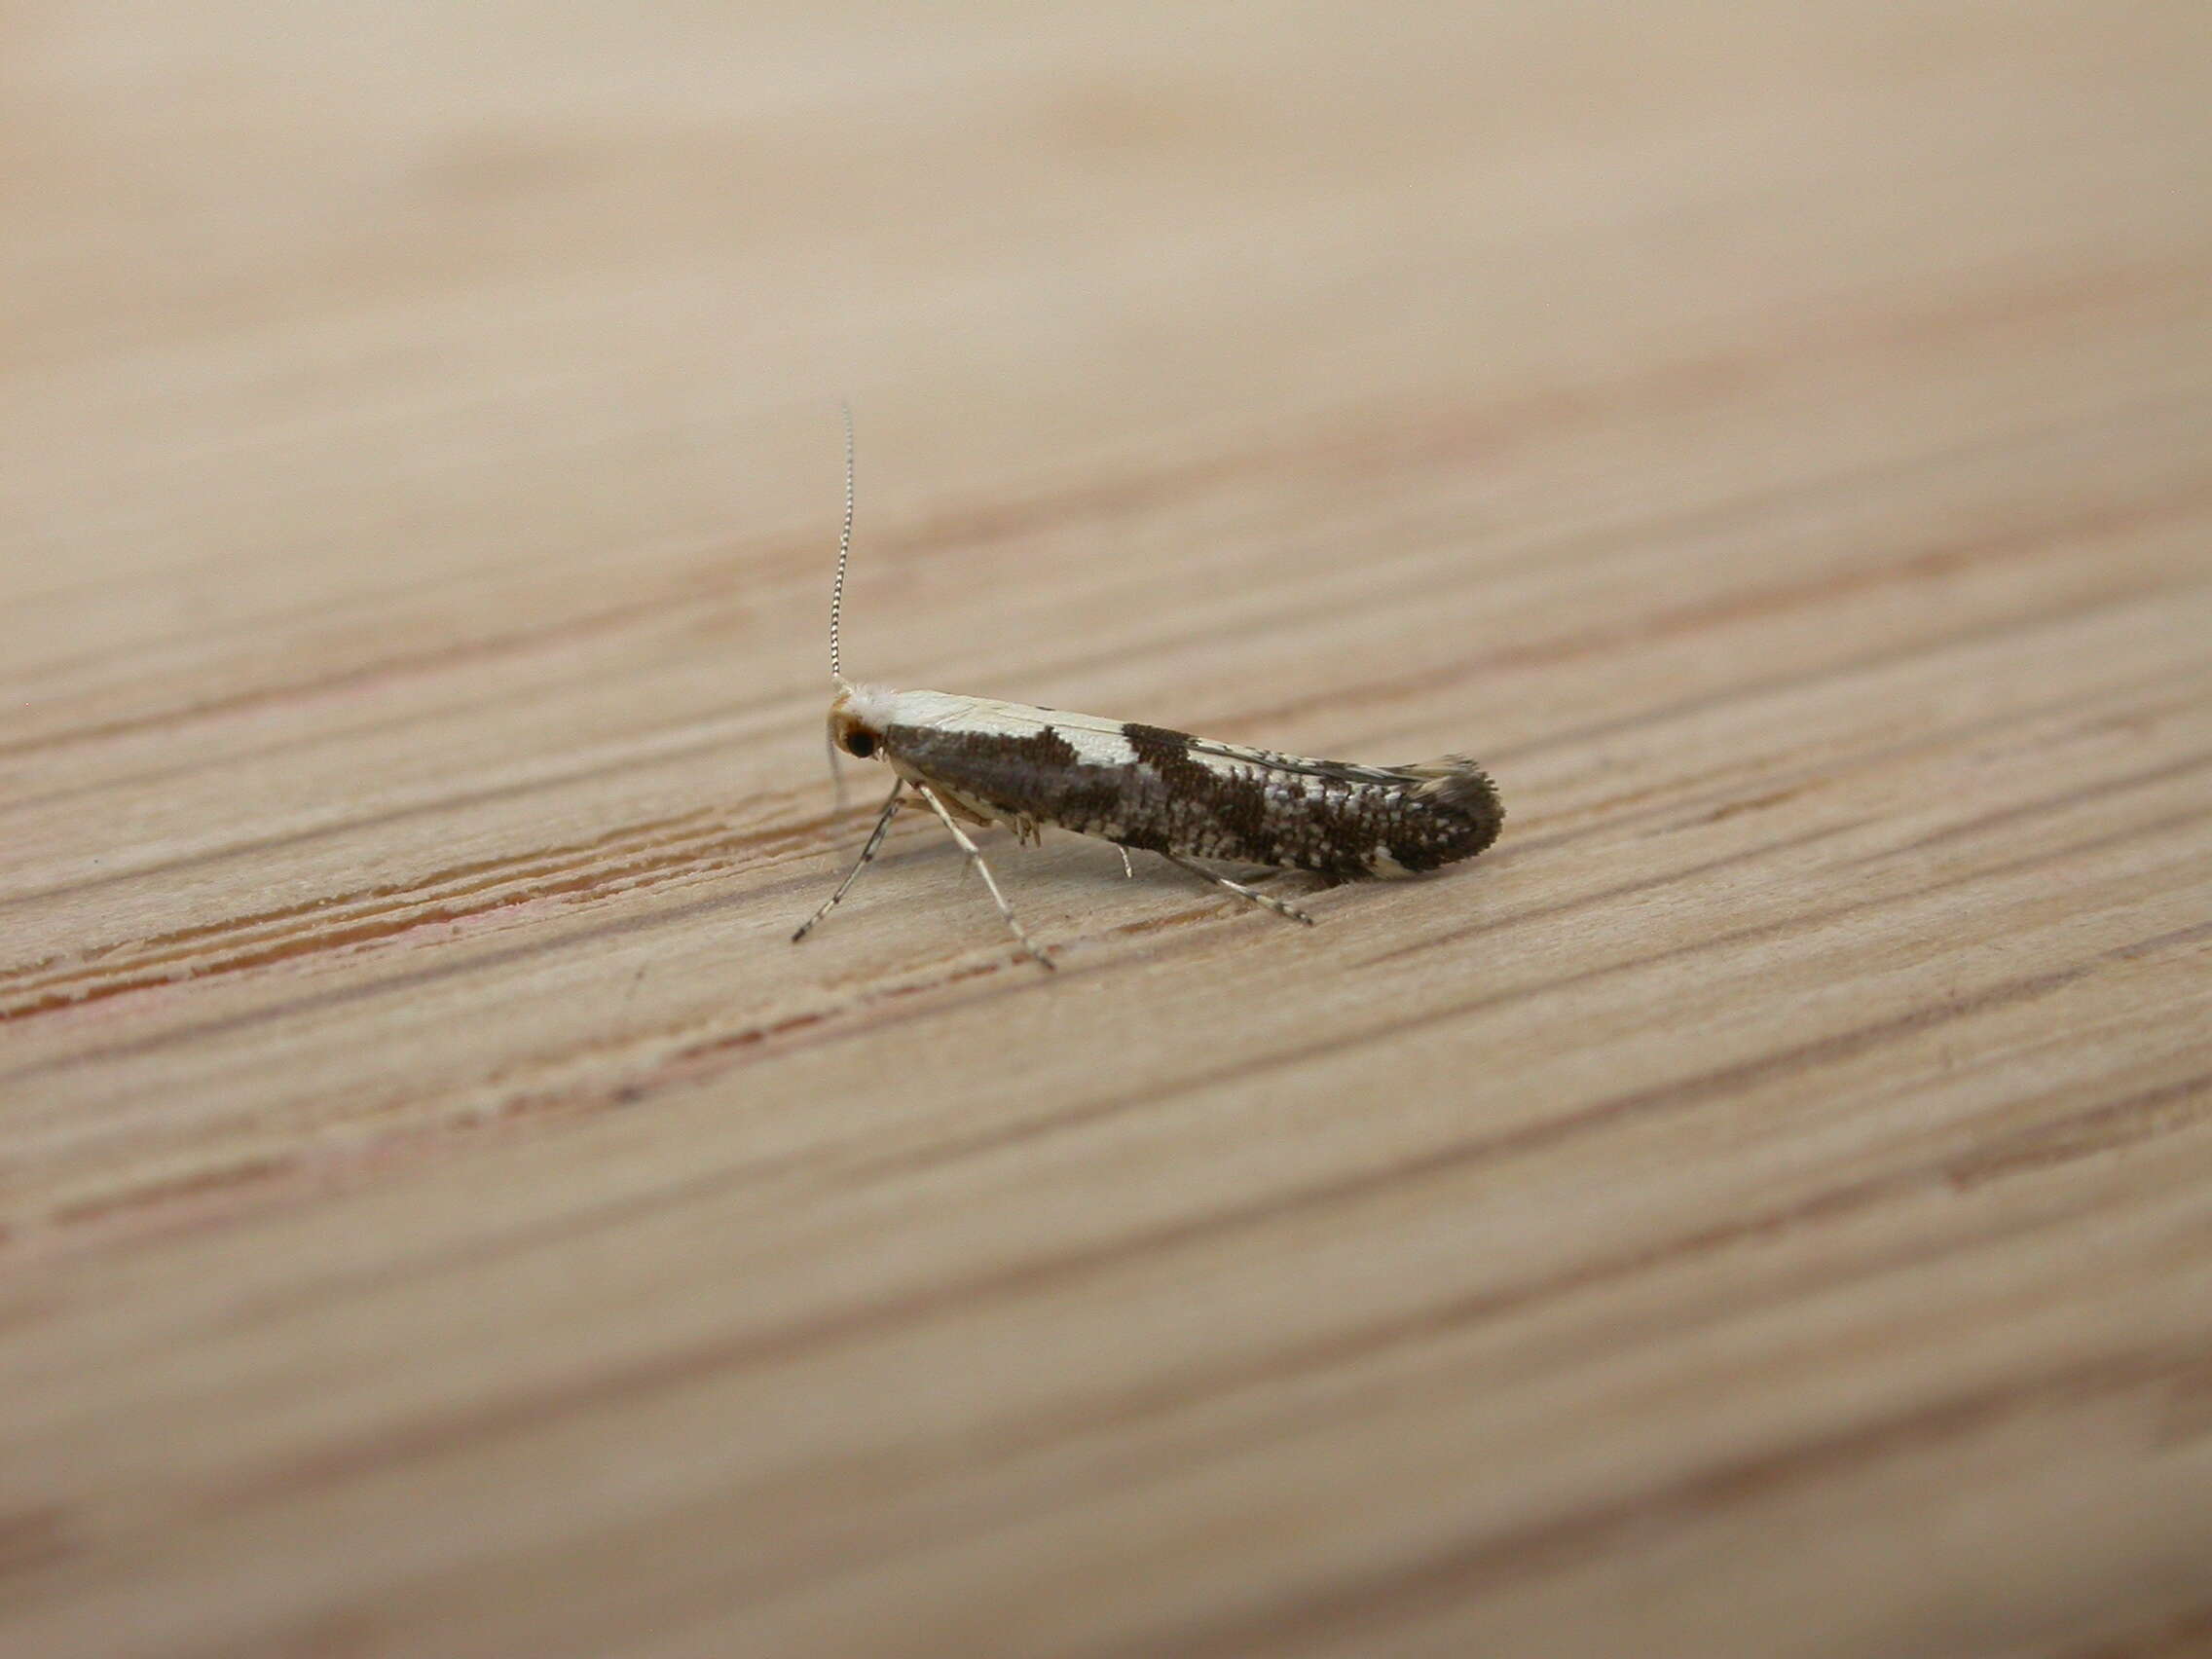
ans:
(976, 761)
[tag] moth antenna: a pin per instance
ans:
(837, 611)
(844, 550)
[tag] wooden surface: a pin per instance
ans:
(1763, 1207)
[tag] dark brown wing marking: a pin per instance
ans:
(1175, 794)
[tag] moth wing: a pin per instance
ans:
(1102, 742)
(1098, 738)
(1208, 751)
(1456, 781)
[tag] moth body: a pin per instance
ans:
(970, 759)
(1152, 790)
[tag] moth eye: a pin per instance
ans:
(858, 744)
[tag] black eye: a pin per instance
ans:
(859, 742)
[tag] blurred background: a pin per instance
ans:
(587, 281)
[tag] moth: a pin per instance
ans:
(975, 761)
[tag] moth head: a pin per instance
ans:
(850, 730)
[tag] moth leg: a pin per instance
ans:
(874, 840)
(1321, 880)
(1128, 870)
(975, 857)
(1290, 912)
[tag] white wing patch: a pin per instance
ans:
(1096, 740)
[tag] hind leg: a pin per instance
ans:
(1266, 900)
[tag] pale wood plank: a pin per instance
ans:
(1763, 1207)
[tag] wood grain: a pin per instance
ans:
(1763, 1207)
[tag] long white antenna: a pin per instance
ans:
(844, 550)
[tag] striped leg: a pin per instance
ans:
(1289, 912)
(975, 857)
(874, 840)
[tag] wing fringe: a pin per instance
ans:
(1456, 781)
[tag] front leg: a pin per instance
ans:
(874, 840)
